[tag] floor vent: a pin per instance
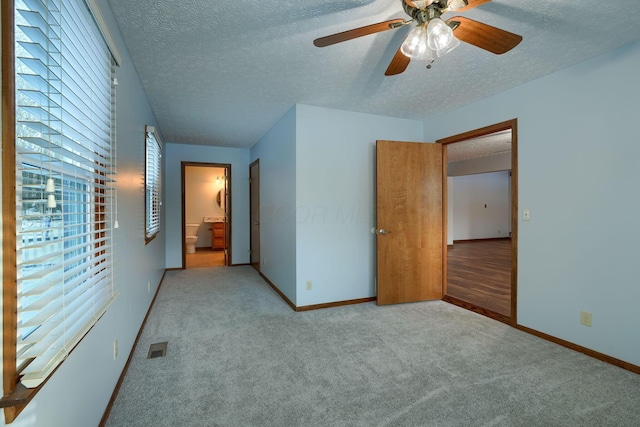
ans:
(157, 350)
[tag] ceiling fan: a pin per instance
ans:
(432, 36)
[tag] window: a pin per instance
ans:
(63, 186)
(153, 151)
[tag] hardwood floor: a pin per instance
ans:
(205, 258)
(479, 272)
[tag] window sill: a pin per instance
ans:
(148, 240)
(14, 402)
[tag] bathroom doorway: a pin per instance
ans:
(206, 214)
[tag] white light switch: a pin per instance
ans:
(526, 215)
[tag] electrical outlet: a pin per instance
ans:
(585, 318)
(526, 215)
(115, 349)
(309, 286)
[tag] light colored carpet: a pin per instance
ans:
(239, 356)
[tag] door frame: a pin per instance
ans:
(255, 163)
(228, 204)
(498, 127)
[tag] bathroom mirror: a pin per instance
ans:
(220, 198)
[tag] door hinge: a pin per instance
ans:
(250, 251)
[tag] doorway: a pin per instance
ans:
(480, 271)
(206, 214)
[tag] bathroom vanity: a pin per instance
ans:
(217, 226)
(217, 236)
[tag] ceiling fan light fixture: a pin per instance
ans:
(425, 54)
(454, 43)
(456, 4)
(421, 4)
(432, 36)
(415, 45)
(439, 34)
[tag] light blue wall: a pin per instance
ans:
(276, 151)
(578, 173)
(239, 160)
(78, 392)
(317, 201)
(335, 195)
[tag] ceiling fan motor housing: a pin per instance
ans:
(427, 13)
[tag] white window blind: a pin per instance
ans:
(152, 182)
(64, 176)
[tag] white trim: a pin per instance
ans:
(104, 29)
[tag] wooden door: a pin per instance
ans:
(409, 213)
(254, 208)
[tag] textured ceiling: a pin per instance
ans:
(482, 146)
(223, 72)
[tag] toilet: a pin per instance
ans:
(191, 237)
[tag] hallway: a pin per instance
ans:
(479, 272)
